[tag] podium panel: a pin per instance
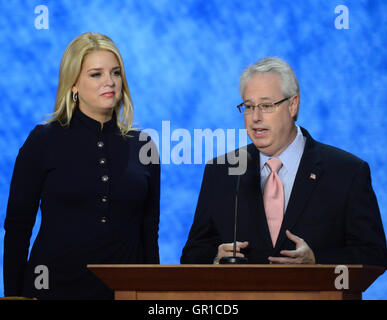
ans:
(237, 282)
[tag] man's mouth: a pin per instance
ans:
(260, 132)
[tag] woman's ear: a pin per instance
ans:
(75, 93)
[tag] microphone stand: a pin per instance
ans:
(234, 259)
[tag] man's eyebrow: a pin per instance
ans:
(261, 98)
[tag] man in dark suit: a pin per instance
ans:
(326, 210)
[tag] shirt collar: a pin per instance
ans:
(291, 155)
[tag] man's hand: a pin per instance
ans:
(302, 254)
(227, 250)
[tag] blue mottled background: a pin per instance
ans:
(183, 60)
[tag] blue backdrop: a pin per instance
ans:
(183, 61)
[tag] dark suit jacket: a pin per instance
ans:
(336, 214)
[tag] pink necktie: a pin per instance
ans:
(273, 199)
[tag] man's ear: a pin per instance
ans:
(293, 106)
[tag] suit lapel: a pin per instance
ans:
(307, 177)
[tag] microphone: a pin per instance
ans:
(246, 160)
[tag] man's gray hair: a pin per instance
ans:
(289, 82)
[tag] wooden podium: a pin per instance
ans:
(234, 282)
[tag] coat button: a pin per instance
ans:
(104, 199)
(100, 144)
(102, 161)
(103, 220)
(104, 178)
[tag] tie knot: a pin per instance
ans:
(274, 164)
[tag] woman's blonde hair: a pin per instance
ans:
(69, 71)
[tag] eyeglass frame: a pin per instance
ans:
(274, 104)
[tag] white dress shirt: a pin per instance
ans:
(290, 159)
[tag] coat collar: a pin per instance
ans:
(79, 118)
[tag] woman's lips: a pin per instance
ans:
(108, 94)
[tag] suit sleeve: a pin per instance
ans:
(152, 211)
(203, 239)
(23, 203)
(365, 241)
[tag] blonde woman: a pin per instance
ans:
(99, 202)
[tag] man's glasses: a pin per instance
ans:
(265, 107)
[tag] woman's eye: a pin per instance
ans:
(117, 73)
(95, 75)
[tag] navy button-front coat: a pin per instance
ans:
(99, 204)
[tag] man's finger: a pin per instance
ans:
(290, 253)
(242, 245)
(231, 254)
(227, 247)
(282, 260)
(293, 237)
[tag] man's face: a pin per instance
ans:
(271, 133)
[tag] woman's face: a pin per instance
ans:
(99, 82)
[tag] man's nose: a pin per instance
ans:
(257, 114)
